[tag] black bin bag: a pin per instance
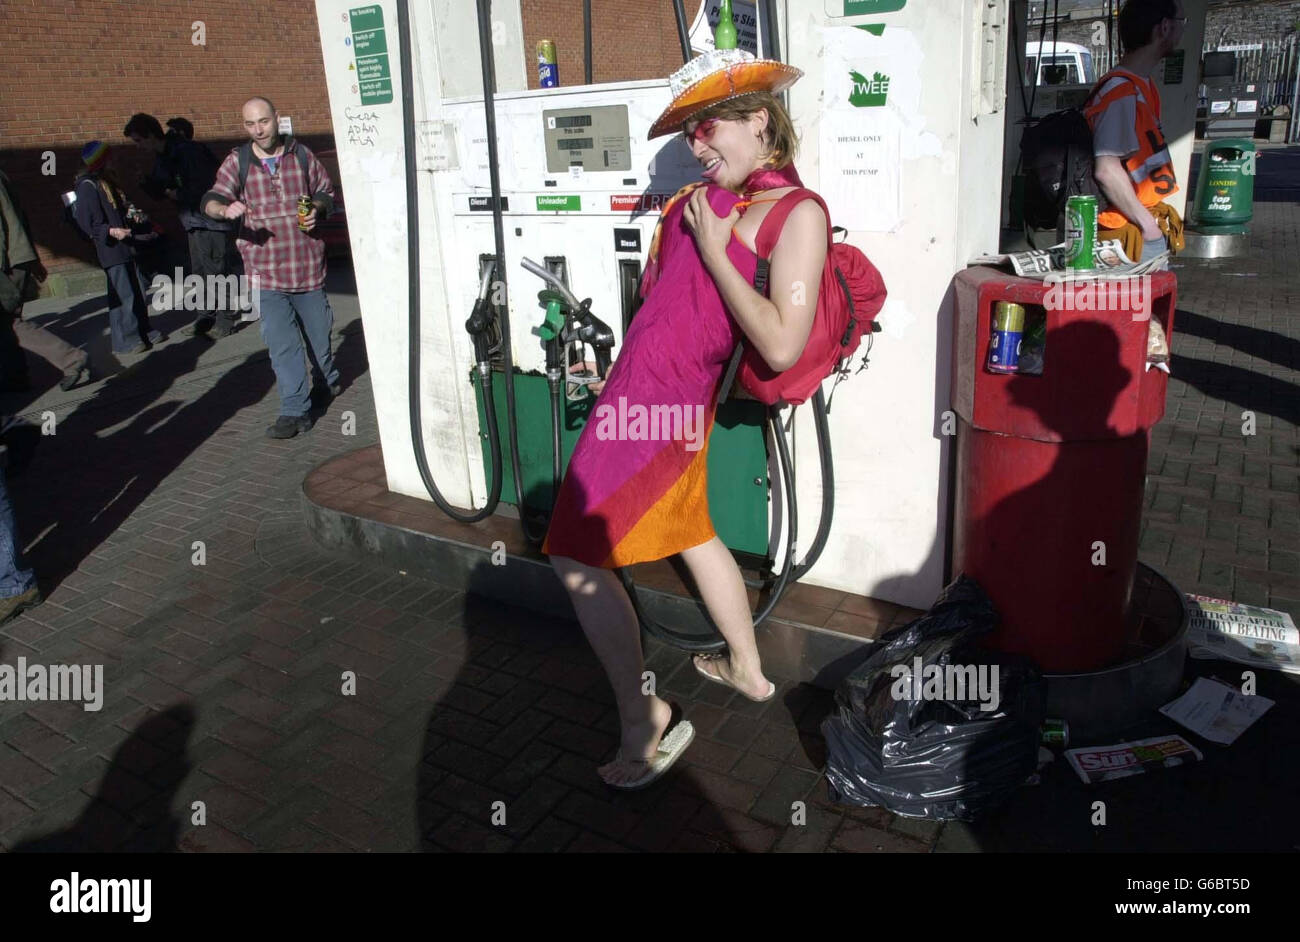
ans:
(936, 758)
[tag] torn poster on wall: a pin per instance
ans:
(870, 123)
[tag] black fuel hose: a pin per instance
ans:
(413, 304)
(789, 571)
(557, 471)
(498, 230)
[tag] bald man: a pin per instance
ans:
(286, 263)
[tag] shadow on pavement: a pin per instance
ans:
(158, 744)
(1246, 388)
(531, 736)
(116, 448)
(1263, 344)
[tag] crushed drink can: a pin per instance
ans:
(1080, 232)
(548, 71)
(1004, 344)
(304, 209)
(1055, 733)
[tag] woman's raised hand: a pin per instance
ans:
(711, 231)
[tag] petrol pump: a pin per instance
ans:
(899, 112)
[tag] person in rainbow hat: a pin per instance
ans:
(630, 501)
(101, 215)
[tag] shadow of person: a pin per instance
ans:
(1256, 342)
(152, 760)
(114, 449)
(1071, 511)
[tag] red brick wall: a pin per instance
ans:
(76, 70)
(630, 41)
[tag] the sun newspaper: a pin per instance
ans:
(1105, 763)
(1247, 634)
(1109, 261)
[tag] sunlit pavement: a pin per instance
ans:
(225, 681)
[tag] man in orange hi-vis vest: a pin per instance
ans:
(1132, 163)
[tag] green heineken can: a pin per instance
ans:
(1055, 733)
(1080, 232)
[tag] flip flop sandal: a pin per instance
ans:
(771, 687)
(672, 744)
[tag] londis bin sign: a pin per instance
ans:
(1225, 192)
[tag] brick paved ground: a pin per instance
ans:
(224, 681)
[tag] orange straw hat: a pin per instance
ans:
(717, 76)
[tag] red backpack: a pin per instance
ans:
(851, 294)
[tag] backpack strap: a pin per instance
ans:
(1113, 73)
(769, 231)
(244, 154)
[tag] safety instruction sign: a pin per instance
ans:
(369, 42)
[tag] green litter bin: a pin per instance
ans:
(1225, 188)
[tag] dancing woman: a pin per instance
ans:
(630, 501)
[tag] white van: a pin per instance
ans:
(1076, 59)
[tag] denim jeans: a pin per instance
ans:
(128, 309)
(14, 579)
(1152, 247)
(287, 317)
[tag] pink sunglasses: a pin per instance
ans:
(703, 131)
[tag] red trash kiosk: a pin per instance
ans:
(1051, 468)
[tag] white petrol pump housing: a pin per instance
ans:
(901, 131)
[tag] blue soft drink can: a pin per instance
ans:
(548, 72)
(1004, 344)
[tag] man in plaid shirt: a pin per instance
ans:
(287, 264)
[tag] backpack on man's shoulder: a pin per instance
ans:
(849, 298)
(1057, 162)
(244, 160)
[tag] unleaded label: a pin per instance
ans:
(568, 204)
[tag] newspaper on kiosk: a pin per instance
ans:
(1247, 634)
(1108, 257)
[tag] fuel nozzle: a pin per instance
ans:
(551, 329)
(482, 323)
(591, 330)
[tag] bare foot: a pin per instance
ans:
(753, 685)
(637, 746)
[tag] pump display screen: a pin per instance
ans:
(594, 138)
